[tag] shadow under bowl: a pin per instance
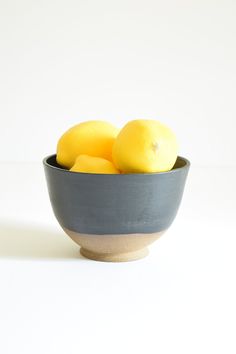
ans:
(115, 217)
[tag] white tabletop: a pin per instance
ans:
(180, 299)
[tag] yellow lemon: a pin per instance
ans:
(91, 164)
(93, 137)
(145, 146)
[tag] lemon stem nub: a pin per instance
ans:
(155, 147)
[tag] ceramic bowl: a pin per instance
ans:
(115, 217)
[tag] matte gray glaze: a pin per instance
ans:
(115, 204)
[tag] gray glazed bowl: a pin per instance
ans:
(115, 217)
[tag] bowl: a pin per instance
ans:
(114, 217)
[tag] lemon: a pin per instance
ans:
(145, 146)
(91, 164)
(93, 137)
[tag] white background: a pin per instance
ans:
(62, 62)
(67, 61)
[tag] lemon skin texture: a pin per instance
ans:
(91, 164)
(94, 138)
(145, 146)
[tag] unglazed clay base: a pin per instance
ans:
(114, 248)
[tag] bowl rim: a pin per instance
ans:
(186, 166)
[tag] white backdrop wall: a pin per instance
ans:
(62, 62)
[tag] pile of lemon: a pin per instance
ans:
(141, 146)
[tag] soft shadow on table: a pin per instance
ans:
(22, 241)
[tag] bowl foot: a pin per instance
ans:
(115, 257)
(113, 248)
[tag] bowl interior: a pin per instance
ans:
(180, 163)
